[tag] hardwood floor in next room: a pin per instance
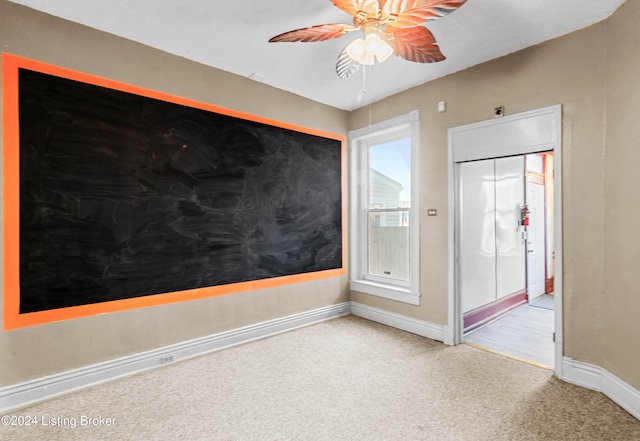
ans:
(526, 333)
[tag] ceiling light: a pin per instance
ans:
(368, 50)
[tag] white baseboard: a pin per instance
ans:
(582, 374)
(409, 324)
(23, 394)
(599, 379)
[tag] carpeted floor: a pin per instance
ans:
(344, 379)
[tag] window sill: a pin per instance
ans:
(387, 291)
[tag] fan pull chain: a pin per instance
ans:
(364, 80)
(364, 86)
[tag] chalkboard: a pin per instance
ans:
(124, 196)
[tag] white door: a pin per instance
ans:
(510, 246)
(477, 234)
(535, 241)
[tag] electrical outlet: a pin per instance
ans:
(167, 359)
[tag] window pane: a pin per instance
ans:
(388, 245)
(390, 174)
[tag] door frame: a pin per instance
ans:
(527, 132)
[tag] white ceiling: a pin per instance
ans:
(233, 36)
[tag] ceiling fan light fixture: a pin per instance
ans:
(379, 47)
(367, 51)
(357, 50)
(390, 27)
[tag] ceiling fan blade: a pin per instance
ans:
(416, 44)
(313, 33)
(368, 8)
(409, 13)
(346, 66)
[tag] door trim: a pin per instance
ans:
(527, 132)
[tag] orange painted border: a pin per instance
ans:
(11, 203)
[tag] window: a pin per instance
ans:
(384, 215)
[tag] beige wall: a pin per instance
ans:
(595, 75)
(41, 350)
(622, 240)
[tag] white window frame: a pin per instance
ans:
(359, 142)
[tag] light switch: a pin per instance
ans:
(432, 212)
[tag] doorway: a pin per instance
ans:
(506, 282)
(508, 137)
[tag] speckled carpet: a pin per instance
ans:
(343, 379)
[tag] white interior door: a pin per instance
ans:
(510, 245)
(477, 234)
(535, 241)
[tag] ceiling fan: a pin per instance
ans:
(390, 27)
